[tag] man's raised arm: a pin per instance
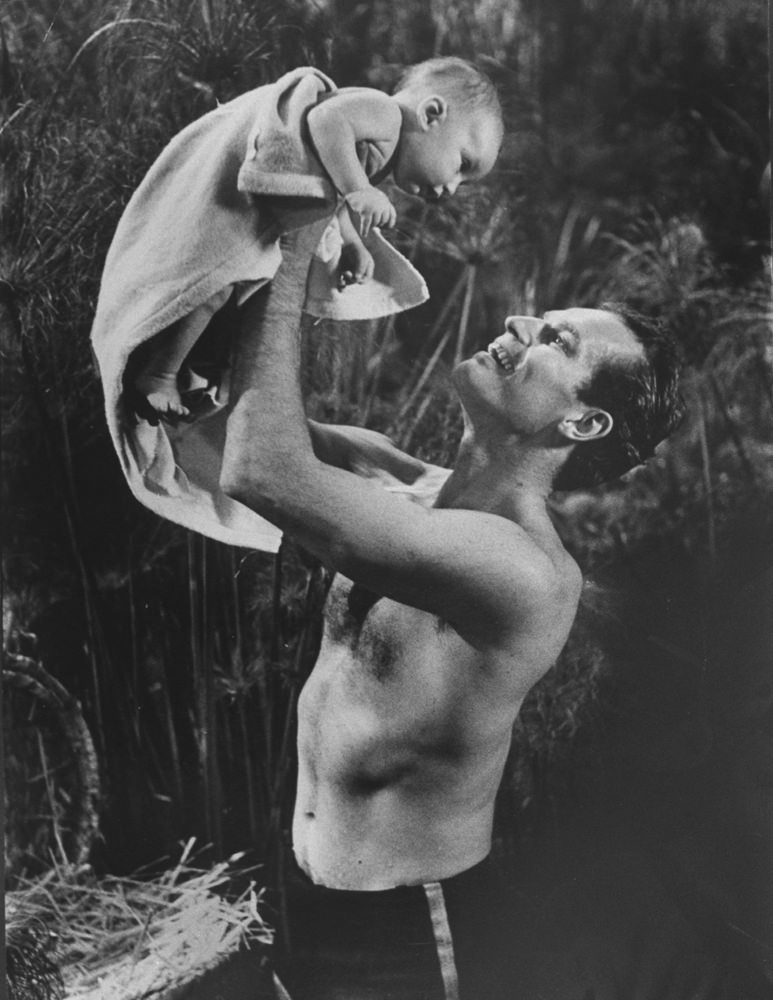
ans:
(266, 367)
(465, 565)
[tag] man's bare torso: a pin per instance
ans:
(404, 730)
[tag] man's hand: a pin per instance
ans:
(370, 207)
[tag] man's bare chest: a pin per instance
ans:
(377, 633)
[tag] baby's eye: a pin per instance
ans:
(466, 165)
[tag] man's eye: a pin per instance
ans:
(555, 337)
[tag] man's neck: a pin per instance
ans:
(506, 477)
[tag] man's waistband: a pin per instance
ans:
(465, 881)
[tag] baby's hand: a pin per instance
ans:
(370, 207)
(356, 265)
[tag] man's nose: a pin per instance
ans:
(524, 328)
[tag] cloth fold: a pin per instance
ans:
(208, 215)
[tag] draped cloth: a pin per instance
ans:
(207, 217)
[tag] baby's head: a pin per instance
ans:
(452, 127)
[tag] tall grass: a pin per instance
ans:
(169, 677)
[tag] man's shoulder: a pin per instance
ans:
(515, 587)
(542, 581)
(534, 552)
(550, 577)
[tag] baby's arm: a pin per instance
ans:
(336, 126)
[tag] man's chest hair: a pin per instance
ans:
(374, 629)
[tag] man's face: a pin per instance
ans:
(438, 154)
(530, 374)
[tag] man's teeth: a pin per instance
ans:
(500, 355)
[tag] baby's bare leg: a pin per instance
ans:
(157, 381)
(356, 261)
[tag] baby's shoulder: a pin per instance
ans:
(361, 93)
(361, 102)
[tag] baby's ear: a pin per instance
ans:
(432, 110)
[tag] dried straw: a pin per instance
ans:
(133, 938)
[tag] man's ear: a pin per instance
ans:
(432, 110)
(590, 426)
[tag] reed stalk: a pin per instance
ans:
(464, 318)
(707, 485)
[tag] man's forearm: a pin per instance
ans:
(267, 423)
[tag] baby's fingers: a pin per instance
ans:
(366, 222)
(385, 217)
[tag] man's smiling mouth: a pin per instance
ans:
(502, 357)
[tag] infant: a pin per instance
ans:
(442, 127)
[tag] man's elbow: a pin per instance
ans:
(272, 487)
(247, 486)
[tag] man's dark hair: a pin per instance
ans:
(643, 399)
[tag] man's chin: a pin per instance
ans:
(465, 372)
(479, 360)
(461, 368)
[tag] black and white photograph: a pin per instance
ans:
(387, 499)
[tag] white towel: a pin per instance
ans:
(198, 223)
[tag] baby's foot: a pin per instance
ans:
(160, 391)
(356, 265)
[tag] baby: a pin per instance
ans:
(442, 127)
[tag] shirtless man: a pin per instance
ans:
(441, 619)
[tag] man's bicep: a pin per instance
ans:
(467, 567)
(355, 448)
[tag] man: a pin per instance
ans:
(441, 619)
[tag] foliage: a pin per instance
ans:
(635, 147)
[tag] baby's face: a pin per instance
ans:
(433, 160)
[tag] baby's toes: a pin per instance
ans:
(176, 411)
